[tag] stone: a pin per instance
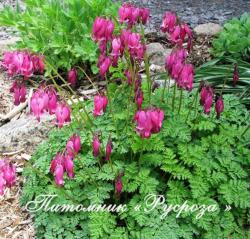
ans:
(24, 132)
(161, 83)
(157, 53)
(209, 29)
(4, 44)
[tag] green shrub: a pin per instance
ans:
(234, 39)
(61, 30)
(194, 157)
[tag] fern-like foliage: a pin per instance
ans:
(198, 159)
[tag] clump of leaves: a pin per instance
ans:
(233, 40)
(194, 157)
(219, 73)
(60, 30)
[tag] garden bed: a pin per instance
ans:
(119, 137)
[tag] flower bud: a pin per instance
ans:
(236, 75)
(72, 77)
(219, 106)
(96, 145)
(109, 149)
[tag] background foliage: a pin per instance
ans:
(232, 46)
(61, 30)
(196, 158)
(234, 39)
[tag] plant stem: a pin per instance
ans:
(164, 89)
(70, 89)
(111, 106)
(132, 86)
(88, 78)
(194, 99)
(180, 102)
(196, 103)
(169, 80)
(173, 99)
(146, 61)
(141, 154)
(244, 132)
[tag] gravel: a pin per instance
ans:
(196, 11)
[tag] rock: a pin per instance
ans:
(156, 68)
(4, 44)
(161, 83)
(209, 29)
(24, 132)
(157, 53)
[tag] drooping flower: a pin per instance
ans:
(129, 14)
(72, 77)
(57, 169)
(62, 114)
(109, 30)
(144, 123)
(129, 77)
(118, 185)
(52, 103)
(169, 22)
(157, 117)
(138, 82)
(98, 30)
(38, 63)
(149, 122)
(19, 91)
(59, 173)
(133, 41)
(109, 149)
(69, 165)
(175, 35)
(103, 64)
(102, 46)
(116, 46)
(117, 50)
(175, 62)
(139, 97)
(177, 69)
(102, 29)
(96, 145)
(39, 102)
(27, 68)
(206, 98)
(9, 174)
(73, 145)
(100, 105)
(59, 159)
(219, 106)
(22, 63)
(236, 75)
(144, 15)
(186, 77)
